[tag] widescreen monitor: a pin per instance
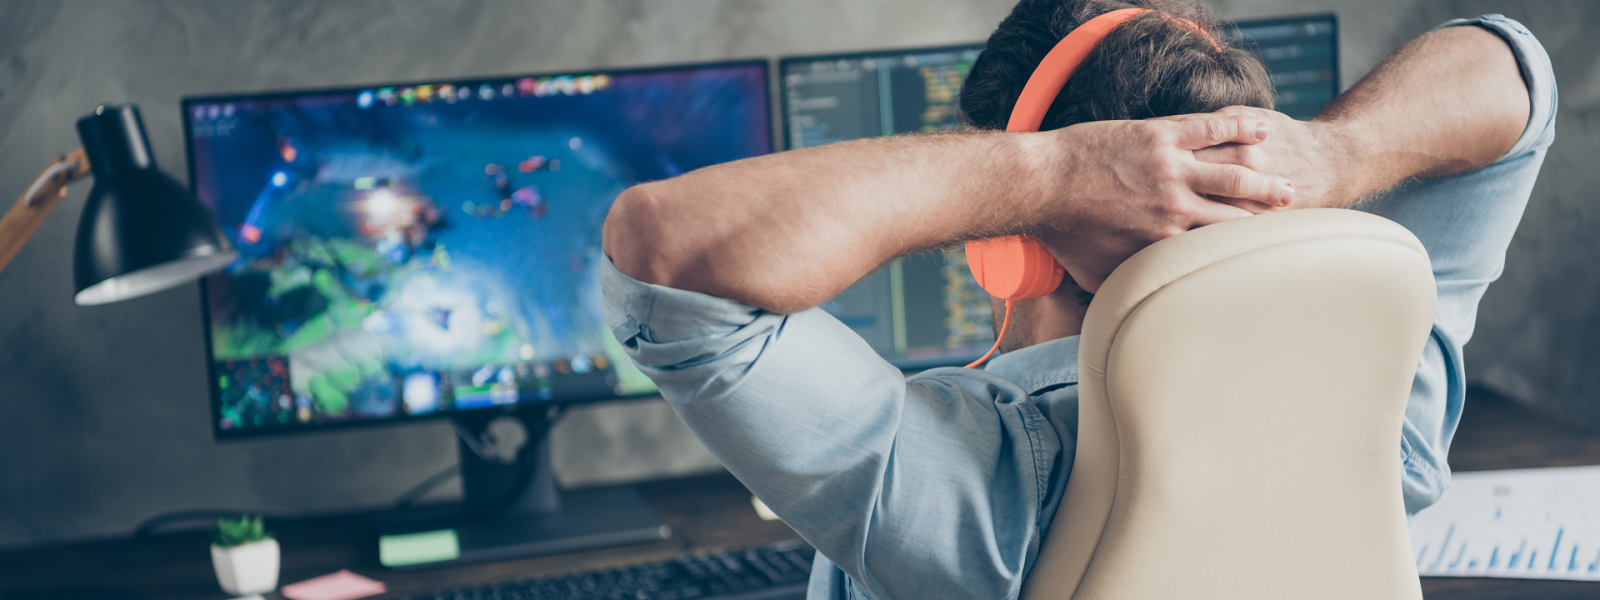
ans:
(431, 248)
(926, 310)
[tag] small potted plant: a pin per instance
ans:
(245, 556)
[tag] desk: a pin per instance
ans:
(709, 512)
(705, 512)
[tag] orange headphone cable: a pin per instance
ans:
(1004, 325)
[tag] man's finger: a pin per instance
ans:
(1229, 154)
(1235, 181)
(1194, 134)
(1255, 208)
(1207, 212)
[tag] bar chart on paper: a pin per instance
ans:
(1527, 523)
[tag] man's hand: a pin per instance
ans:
(1310, 154)
(1450, 101)
(1133, 183)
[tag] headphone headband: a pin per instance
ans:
(1058, 66)
(1019, 267)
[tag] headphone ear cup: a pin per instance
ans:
(1014, 268)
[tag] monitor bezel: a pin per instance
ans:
(219, 434)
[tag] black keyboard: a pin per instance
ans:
(772, 572)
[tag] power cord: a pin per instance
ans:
(421, 490)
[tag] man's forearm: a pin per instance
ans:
(787, 231)
(1450, 101)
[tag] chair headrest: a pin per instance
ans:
(1168, 260)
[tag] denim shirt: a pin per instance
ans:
(943, 484)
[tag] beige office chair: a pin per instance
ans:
(1242, 388)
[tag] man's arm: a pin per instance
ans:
(788, 231)
(1451, 101)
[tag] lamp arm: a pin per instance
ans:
(31, 209)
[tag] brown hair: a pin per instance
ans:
(1150, 66)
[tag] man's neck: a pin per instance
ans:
(1039, 320)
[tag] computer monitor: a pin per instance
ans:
(926, 310)
(420, 250)
(1301, 54)
(432, 249)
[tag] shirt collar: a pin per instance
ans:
(1040, 366)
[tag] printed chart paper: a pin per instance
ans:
(1525, 523)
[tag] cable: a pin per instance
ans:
(1004, 324)
(417, 492)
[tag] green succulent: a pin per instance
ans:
(237, 532)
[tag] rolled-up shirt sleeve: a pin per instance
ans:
(942, 470)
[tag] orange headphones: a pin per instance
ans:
(1019, 267)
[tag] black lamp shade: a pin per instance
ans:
(141, 231)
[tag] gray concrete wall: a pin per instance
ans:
(103, 411)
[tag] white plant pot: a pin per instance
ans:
(248, 569)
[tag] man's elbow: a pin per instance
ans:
(635, 236)
(1500, 96)
(652, 238)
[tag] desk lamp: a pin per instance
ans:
(141, 231)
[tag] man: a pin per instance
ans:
(944, 484)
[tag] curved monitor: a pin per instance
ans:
(418, 250)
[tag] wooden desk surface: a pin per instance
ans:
(710, 512)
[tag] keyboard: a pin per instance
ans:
(771, 572)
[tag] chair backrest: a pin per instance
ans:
(1242, 388)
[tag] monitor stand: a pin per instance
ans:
(512, 506)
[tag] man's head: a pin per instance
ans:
(1150, 66)
(1154, 65)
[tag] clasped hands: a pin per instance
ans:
(1129, 184)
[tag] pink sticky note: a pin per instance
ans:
(343, 585)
